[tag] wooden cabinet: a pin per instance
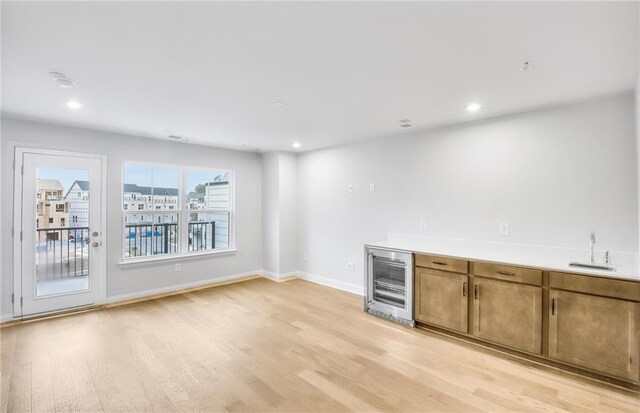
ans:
(589, 322)
(508, 313)
(597, 333)
(441, 299)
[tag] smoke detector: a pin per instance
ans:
(62, 80)
(65, 83)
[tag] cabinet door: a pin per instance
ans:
(441, 299)
(594, 332)
(508, 313)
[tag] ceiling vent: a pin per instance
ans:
(406, 125)
(178, 138)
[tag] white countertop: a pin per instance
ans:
(548, 258)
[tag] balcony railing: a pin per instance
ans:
(151, 239)
(157, 239)
(62, 252)
(202, 235)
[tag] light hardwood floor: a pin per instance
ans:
(263, 346)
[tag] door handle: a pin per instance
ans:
(475, 291)
(87, 240)
(553, 306)
(464, 289)
(95, 244)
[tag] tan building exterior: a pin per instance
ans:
(51, 208)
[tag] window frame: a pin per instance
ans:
(180, 209)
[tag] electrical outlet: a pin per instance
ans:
(372, 187)
(423, 224)
(350, 188)
(351, 266)
(178, 267)
(504, 229)
(305, 256)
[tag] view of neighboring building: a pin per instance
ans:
(195, 200)
(77, 199)
(146, 198)
(51, 208)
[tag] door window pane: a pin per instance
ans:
(62, 254)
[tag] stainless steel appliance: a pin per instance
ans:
(389, 284)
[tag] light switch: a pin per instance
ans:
(178, 267)
(423, 224)
(504, 229)
(372, 187)
(351, 266)
(350, 188)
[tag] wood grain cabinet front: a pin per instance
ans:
(441, 299)
(597, 333)
(508, 313)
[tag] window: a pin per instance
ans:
(209, 204)
(59, 207)
(50, 220)
(180, 210)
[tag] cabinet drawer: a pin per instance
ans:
(442, 263)
(627, 290)
(507, 272)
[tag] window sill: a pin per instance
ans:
(175, 257)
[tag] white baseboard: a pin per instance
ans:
(330, 282)
(178, 287)
(6, 317)
(279, 277)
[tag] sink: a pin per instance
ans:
(590, 266)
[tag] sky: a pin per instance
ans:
(66, 176)
(165, 177)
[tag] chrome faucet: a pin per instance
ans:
(593, 242)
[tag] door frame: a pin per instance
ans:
(19, 151)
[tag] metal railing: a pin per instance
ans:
(202, 235)
(157, 239)
(62, 252)
(151, 239)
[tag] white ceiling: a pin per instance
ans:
(346, 71)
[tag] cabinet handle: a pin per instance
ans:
(475, 291)
(506, 273)
(439, 263)
(464, 289)
(553, 306)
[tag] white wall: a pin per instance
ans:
(270, 212)
(553, 175)
(119, 148)
(279, 213)
(288, 212)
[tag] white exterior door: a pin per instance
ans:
(59, 217)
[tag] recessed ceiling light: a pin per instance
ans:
(473, 107)
(74, 104)
(296, 145)
(406, 125)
